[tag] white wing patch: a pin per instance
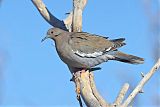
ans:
(108, 49)
(89, 55)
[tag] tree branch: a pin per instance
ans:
(68, 21)
(141, 84)
(78, 6)
(51, 19)
(86, 91)
(102, 102)
(121, 94)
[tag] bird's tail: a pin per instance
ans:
(119, 56)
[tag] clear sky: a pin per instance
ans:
(32, 73)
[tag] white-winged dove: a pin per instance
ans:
(85, 50)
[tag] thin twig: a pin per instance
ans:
(141, 84)
(121, 94)
(142, 74)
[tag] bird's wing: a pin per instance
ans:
(90, 45)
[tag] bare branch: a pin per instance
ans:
(68, 21)
(141, 84)
(142, 74)
(121, 94)
(102, 102)
(86, 91)
(51, 19)
(78, 6)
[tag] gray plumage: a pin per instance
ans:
(85, 50)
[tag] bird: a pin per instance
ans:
(84, 50)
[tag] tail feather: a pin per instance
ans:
(119, 56)
(118, 42)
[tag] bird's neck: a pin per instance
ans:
(61, 41)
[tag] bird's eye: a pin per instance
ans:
(52, 32)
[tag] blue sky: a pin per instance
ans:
(34, 75)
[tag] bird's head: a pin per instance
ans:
(53, 33)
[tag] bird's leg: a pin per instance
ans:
(75, 70)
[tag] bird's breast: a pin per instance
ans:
(67, 56)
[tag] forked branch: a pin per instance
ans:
(141, 84)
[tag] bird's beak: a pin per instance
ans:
(45, 38)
